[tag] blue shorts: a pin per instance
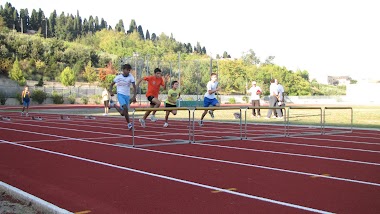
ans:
(207, 102)
(123, 100)
(26, 103)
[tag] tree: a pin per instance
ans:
(120, 26)
(269, 60)
(147, 35)
(89, 73)
(2, 24)
(132, 26)
(251, 58)
(67, 77)
(106, 75)
(140, 30)
(16, 73)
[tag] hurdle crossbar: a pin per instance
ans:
(161, 109)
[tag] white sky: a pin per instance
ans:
(324, 37)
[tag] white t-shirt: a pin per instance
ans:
(273, 89)
(123, 84)
(253, 91)
(211, 86)
(280, 91)
(105, 95)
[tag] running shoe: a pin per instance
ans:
(112, 104)
(166, 125)
(153, 118)
(142, 122)
(130, 126)
(200, 123)
(211, 113)
(22, 113)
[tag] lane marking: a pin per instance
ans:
(290, 154)
(205, 158)
(319, 176)
(217, 191)
(214, 188)
(83, 212)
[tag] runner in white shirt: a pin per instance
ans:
(210, 98)
(123, 83)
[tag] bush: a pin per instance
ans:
(71, 98)
(246, 99)
(231, 100)
(57, 98)
(96, 98)
(18, 97)
(3, 98)
(84, 100)
(39, 96)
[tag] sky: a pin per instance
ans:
(323, 37)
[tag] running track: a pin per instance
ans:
(79, 165)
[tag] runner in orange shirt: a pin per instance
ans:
(154, 83)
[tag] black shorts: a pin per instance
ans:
(150, 98)
(106, 103)
(170, 105)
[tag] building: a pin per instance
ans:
(338, 80)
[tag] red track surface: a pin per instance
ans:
(79, 165)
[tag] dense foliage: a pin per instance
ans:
(67, 49)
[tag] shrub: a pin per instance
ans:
(57, 98)
(231, 100)
(39, 96)
(18, 97)
(3, 98)
(96, 98)
(71, 98)
(246, 99)
(84, 100)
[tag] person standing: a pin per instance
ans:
(281, 91)
(106, 101)
(123, 83)
(173, 94)
(273, 99)
(210, 98)
(25, 95)
(154, 83)
(255, 92)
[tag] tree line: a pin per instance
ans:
(71, 27)
(94, 57)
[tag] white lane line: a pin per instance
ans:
(211, 159)
(79, 130)
(291, 154)
(335, 140)
(317, 146)
(213, 188)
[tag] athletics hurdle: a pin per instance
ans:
(173, 141)
(285, 122)
(242, 131)
(305, 133)
(337, 108)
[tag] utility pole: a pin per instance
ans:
(22, 27)
(45, 27)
